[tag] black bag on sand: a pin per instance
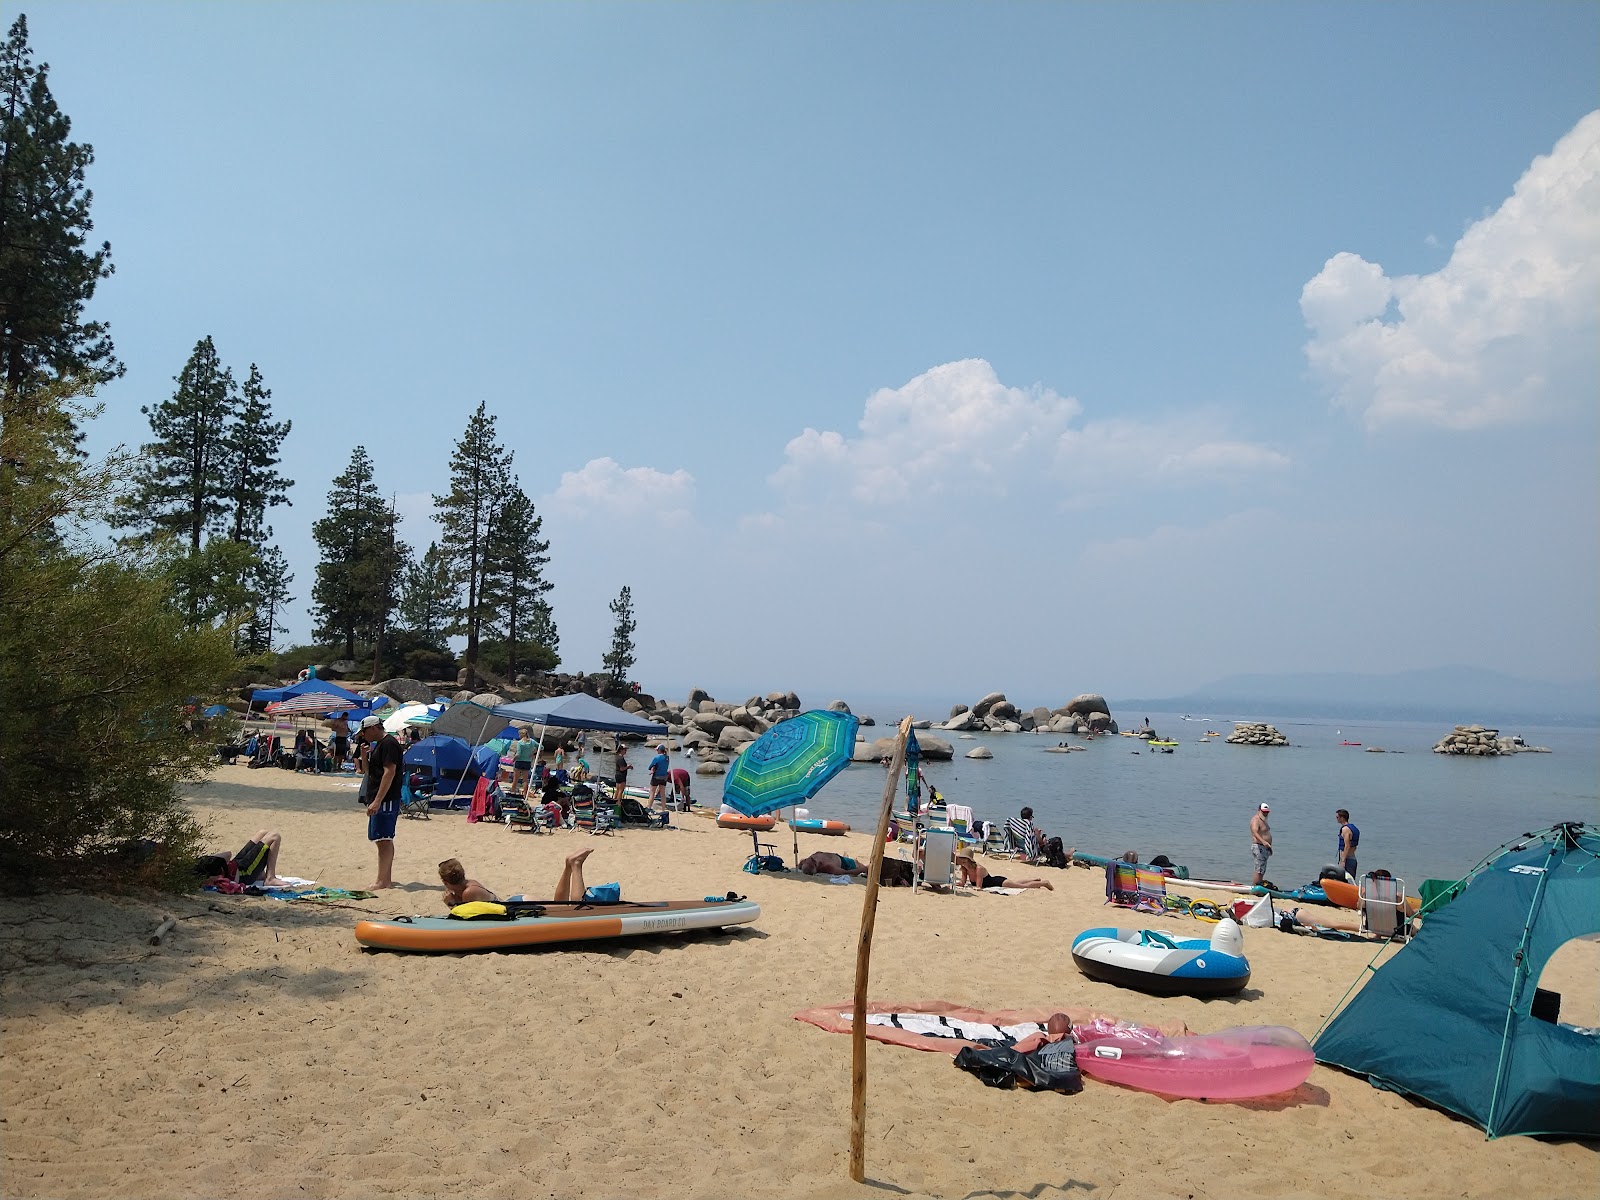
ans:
(1053, 1067)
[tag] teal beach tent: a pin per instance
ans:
(1451, 1018)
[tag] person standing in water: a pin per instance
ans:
(1349, 839)
(1260, 842)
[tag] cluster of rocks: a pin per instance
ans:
(1482, 742)
(1255, 733)
(713, 731)
(1087, 713)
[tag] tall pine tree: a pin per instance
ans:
(270, 583)
(428, 598)
(183, 487)
(250, 447)
(48, 273)
(354, 591)
(516, 584)
(479, 475)
(619, 659)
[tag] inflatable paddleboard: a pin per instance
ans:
(818, 825)
(759, 824)
(1234, 1064)
(570, 922)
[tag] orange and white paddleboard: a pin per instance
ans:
(1348, 895)
(570, 922)
(760, 824)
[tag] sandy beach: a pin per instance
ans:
(261, 1051)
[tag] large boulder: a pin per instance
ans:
(489, 699)
(980, 752)
(957, 709)
(838, 706)
(982, 707)
(406, 690)
(1004, 711)
(1082, 706)
(960, 722)
(734, 737)
(696, 697)
(712, 723)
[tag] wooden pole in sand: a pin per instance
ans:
(858, 1019)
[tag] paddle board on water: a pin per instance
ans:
(570, 922)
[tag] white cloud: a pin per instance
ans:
(603, 488)
(1504, 332)
(957, 432)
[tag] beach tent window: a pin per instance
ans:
(1451, 1017)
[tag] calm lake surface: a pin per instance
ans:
(1421, 815)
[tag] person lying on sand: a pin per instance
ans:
(974, 874)
(824, 863)
(458, 889)
(258, 859)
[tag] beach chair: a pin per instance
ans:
(936, 860)
(1382, 899)
(959, 817)
(412, 804)
(1022, 839)
(591, 815)
(994, 841)
(1139, 888)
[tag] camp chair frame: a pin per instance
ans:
(995, 843)
(414, 804)
(1022, 839)
(1382, 899)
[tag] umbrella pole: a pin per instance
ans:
(858, 1019)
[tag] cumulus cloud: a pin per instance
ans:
(957, 431)
(604, 488)
(1504, 332)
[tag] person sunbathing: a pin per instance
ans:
(824, 863)
(458, 889)
(973, 874)
(258, 859)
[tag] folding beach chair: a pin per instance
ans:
(590, 815)
(995, 842)
(960, 818)
(1022, 839)
(936, 861)
(1135, 887)
(1382, 899)
(412, 804)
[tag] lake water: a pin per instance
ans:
(1421, 815)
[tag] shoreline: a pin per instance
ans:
(259, 1041)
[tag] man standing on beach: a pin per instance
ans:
(383, 758)
(1260, 842)
(1349, 839)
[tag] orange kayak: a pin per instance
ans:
(1348, 895)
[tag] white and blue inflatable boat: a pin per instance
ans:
(1149, 960)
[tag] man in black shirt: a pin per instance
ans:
(383, 763)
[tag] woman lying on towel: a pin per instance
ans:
(458, 889)
(974, 874)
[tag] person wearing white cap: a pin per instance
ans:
(384, 758)
(660, 769)
(1260, 842)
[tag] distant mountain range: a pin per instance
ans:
(1455, 694)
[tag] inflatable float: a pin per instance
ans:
(552, 923)
(1234, 1064)
(818, 825)
(759, 824)
(1149, 960)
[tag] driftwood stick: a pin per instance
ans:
(858, 1020)
(168, 924)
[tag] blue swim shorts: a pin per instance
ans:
(380, 826)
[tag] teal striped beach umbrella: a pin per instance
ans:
(789, 763)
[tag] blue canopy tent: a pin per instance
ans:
(579, 711)
(449, 759)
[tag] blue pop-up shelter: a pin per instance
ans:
(1457, 1019)
(450, 760)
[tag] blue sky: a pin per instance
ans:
(905, 348)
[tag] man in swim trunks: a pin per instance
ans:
(257, 859)
(383, 760)
(1260, 842)
(680, 789)
(823, 863)
(972, 873)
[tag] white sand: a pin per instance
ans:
(262, 1052)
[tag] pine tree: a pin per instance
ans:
(250, 447)
(428, 598)
(182, 487)
(516, 585)
(270, 584)
(47, 273)
(353, 593)
(619, 659)
(479, 474)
